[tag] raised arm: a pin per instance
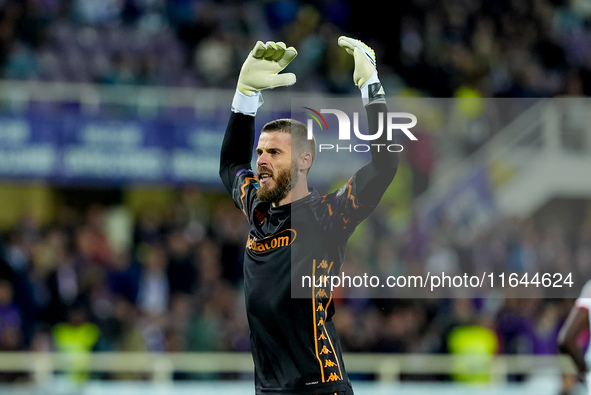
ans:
(373, 179)
(259, 71)
(236, 153)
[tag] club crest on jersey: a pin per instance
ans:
(258, 216)
(281, 239)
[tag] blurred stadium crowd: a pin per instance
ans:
(443, 48)
(178, 287)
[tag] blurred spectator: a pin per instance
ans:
(123, 280)
(153, 292)
(64, 286)
(10, 319)
(474, 345)
(126, 335)
(11, 336)
(182, 271)
(76, 337)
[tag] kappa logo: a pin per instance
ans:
(329, 364)
(281, 239)
(325, 350)
(333, 377)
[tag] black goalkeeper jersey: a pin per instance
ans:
(295, 346)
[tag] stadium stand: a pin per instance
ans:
(176, 286)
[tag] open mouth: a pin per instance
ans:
(264, 177)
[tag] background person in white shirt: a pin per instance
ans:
(577, 322)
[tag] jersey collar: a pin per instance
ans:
(284, 208)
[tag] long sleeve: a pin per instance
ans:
(373, 179)
(236, 152)
(355, 200)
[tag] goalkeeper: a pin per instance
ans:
(295, 345)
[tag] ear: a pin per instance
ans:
(305, 161)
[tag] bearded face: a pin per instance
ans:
(275, 185)
(277, 170)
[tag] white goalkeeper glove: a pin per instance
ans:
(365, 75)
(261, 71)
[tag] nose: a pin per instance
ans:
(262, 160)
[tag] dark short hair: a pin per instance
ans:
(299, 134)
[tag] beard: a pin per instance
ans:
(285, 181)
